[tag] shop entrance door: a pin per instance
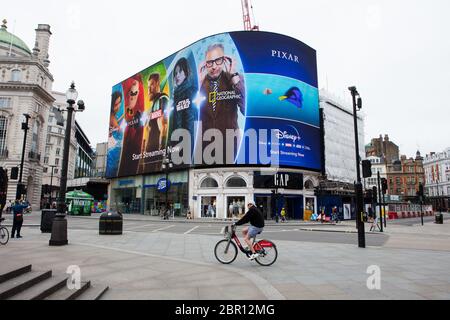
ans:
(294, 210)
(264, 205)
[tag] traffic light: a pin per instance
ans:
(14, 173)
(367, 168)
(420, 193)
(375, 194)
(384, 185)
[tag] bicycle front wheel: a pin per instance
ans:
(4, 236)
(225, 257)
(268, 253)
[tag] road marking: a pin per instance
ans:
(162, 229)
(137, 227)
(187, 232)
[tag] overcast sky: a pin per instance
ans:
(396, 52)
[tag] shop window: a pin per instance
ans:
(236, 183)
(209, 183)
(208, 208)
(235, 207)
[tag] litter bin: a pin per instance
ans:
(47, 217)
(439, 218)
(111, 223)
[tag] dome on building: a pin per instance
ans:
(7, 38)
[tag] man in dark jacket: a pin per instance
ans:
(17, 210)
(256, 219)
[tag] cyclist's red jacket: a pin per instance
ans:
(254, 216)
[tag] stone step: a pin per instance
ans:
(21, 283)
(95, 292)
(42, 290)
(14, 272)
(68, 294)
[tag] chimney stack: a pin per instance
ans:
(43, 34)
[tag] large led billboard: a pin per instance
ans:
(238, 98)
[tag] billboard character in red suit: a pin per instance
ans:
(132, 140)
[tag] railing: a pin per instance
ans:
(4, 153)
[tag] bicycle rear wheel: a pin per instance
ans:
(4, 236)
(221, 256)
(268, 253)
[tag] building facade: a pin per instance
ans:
(437, 179)
(337, 182)
(378, 165)
(25, 88)
(383, 148)
(190, 91)
(404, 177)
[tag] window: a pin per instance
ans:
(35, 137)
(3, 131)
(56, 171)
(59, 141)
(209, 183)
(16, 75)
(47, 150)
(236, 183)
(5, 102)
(45, 160)
(57, 162)
(58, 151)
(45, 170)
(50, 119)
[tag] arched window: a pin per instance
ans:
(236, 182)
(3, 131)
(209, 183)
(16, 75)
(309, 185)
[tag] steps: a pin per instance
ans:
(23, 283)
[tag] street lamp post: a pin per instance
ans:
(25, 128)
(59, 228)
(166, 166)
(357, 102)
(51, 185)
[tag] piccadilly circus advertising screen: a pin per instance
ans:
(238, 98)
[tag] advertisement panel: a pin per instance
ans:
(238, 98)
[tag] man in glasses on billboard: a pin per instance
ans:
(223, 89)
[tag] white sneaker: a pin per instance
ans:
(253, 256)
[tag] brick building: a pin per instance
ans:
(404, 177)
(383, 148)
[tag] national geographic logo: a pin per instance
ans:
(223, 95)
(212, 97)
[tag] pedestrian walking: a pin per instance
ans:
(17, 210)
(283, 215)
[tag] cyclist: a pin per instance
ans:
(256, 219)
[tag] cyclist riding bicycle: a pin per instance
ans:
(256, 219)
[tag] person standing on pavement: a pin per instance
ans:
(17, 210)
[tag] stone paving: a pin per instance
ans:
(161, 265)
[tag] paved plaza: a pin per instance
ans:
(165, 263)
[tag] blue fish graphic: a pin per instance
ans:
(294, 96)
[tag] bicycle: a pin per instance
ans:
(226, 250)
(4, 233)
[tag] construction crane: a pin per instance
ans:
(248, 24)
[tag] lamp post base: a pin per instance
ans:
(59, 231)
